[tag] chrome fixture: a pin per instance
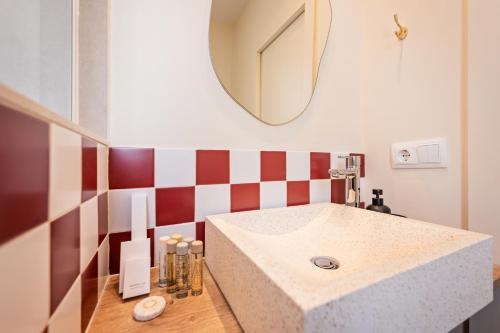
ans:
(325, 262)
(352, 175)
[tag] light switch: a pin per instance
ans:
(428, 153)
(425, 154)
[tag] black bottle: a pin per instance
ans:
(378, 203)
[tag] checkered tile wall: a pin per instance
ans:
(185, 185)
(53, 225)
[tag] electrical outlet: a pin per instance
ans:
(420, 154)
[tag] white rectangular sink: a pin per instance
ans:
(395, 274)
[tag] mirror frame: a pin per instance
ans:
(315, 79)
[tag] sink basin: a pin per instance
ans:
(393, 274)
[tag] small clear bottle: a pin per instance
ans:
(177, 237)
(170, 273)
(182, 269)
(162, 262)
(197, 273)
(189, 241)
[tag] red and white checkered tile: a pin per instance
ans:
(53, 224)
(185, 185)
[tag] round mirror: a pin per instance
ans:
(267, 53)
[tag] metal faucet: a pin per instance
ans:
(352, 175)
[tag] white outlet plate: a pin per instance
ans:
(426, 154)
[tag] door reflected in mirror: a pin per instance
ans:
(267, 53)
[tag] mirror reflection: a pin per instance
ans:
(267, 53)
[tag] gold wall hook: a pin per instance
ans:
(403, 31)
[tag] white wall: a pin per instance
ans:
(484, 119)
(164, 91)
(411, 91)
(56, 17)
(372, 90)
(93, 66)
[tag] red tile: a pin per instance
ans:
(64, 255)
(89, 292)
(102, 217)
(131, 168)
(115, 240)
(245, 197)
(297, 193)
(212, 167)
(272, 165)
(320, 164)
(338, 191)
(362, 172)
(89, 169)
(174, 205)
(200, 231)
(24, 173)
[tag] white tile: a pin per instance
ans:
(88, 232)
(298, 165)
(336, 162)
(67, 317)
(245, 166)
(320, 190)
(175, 167)
(210, 200)
(185, 229)
(65, 191)
(119, 208)
(103, 265)
(272, 194)
(25, 283)
(102, 169)
(365, 192)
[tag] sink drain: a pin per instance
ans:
(325, 262)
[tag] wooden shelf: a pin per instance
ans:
(208, 312)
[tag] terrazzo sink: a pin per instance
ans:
(394, 274)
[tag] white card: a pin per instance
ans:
(137, 249)
(137, 279)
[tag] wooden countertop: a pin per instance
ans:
(208, 312)
(496, 276)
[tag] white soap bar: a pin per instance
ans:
(133, 250)
(139, 215)
(137, 280)
(149, 308)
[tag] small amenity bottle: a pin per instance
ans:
(171, 283)
(189, 241)
(197, 273)
(177, 237)
(182, 269)
(162, 261)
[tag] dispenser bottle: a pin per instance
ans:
(197, 273)
(182, 269)
(378, 203)
(170, 270)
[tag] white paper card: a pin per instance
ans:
(138, 249)
(136, 281)
(139, 215)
